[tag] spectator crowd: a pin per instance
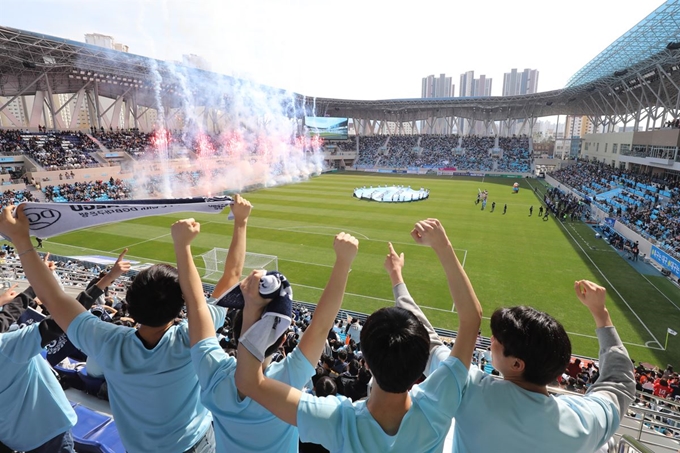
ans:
(647, 203)
(467, 153)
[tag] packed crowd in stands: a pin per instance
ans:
(13, 197)
(468, 153)
(52, 150)
(89, 191)
(131, 141)
(648, 204)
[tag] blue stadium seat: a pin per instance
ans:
(89, 422)
(106, 439)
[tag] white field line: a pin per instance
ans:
(608, 282)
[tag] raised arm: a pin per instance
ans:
(13, 307)
(394, 263)
(617, 377)
(88, 297)
(314, 339)
(119, 268)
(431, 232)
(61, 306)
(233, 265)
(201, 325)
(278, 398)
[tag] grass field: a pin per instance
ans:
(511, 259)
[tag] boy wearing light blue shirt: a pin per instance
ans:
(153, 389)
(530, 349)
(398, 416)
(241, 424)
(35, 415)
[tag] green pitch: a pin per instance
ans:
(511, 259)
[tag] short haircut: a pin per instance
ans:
(325, 386)
(342, 355)
(271, 349)
(536, 338)
(155, 298)
(396, 347)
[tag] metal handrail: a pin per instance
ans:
(628, 444)
(651, 418)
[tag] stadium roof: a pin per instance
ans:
(644, 44)
(638, 71)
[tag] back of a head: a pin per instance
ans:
(325, 386)
(396, 347)
(536, 338)
(154, 297)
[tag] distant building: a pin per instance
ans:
(471, 87)
(578, 126)
(436, 87)
(15, 114)
(517, 83)
(106, 41)
(440, 87)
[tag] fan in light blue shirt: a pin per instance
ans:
(34, 407)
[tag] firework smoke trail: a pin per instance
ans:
(237, 133)
(162, 146)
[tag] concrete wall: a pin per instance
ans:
(658, 137)
(594, 146)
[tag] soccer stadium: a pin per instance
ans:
(103, 309)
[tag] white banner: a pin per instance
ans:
(50, 219)
(672, 332)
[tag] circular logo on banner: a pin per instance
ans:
(40, 218)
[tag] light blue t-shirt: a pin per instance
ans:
(242, 425)
(342, 426)
(34, 407)
(154, 393)
(523, 421)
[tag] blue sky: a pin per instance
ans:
(355, 49)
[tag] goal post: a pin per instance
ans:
(214, 263)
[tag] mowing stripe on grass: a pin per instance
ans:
(150, 240)
(136, 243)
(660, 292)
(610, 284)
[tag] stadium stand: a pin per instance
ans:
(647, 204)
(469, 153)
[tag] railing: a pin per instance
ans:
(644, 426)
(629, 445)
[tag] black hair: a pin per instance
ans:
(354, 367)
(325, 386)
(238, 323)
(534, 337)
(154, 297)
(396, 347)
(328, 361)
(342, 355)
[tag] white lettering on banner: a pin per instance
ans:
(51, 219)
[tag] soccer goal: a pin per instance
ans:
(214, 263)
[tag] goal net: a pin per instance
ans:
(214, 263)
